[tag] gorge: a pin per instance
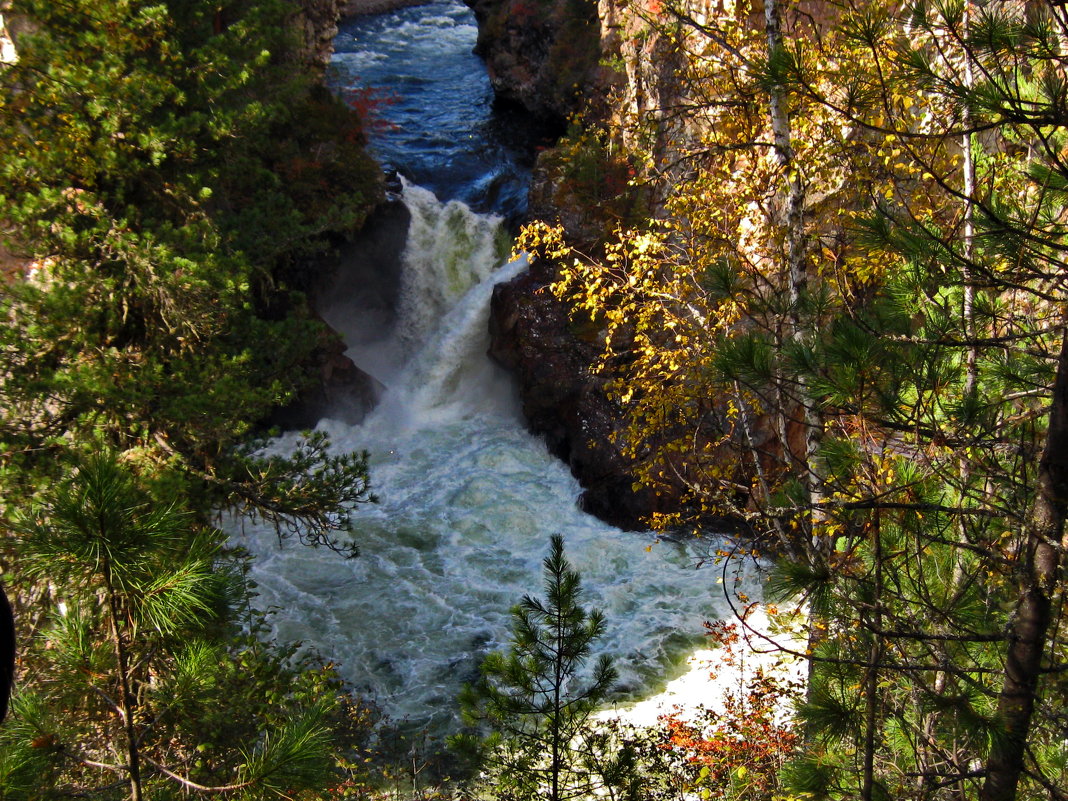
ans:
(468, 497)
(801, 266)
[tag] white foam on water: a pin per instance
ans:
(469, 500)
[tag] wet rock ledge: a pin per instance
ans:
(563, 399)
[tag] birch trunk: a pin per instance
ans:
(793, 225)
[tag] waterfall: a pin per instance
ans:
(468, 502)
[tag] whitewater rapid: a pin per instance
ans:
(469, 500)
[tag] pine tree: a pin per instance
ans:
(133, 663)
(928, 347)
(167, 166)
(531, 700)
(969, 514)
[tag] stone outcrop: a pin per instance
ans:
(631, 78)
(317, 22)
(626, 99)
(337, 388)
(367, 276)
(563, 399)
(541, 54)
(554, 58)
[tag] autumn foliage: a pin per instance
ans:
(845, 327)
(738, 751)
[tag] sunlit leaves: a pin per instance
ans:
(736, 753)
(147, 177)
(879, 412)
(148, 171)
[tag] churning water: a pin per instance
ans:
(468, 498)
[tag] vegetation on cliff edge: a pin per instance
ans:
(172, 173)
(848, 331)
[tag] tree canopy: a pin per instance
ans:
(173, 176)
(847, 330)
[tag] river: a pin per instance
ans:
(469, 499)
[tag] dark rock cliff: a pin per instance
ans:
(370, 269)
(618, 163)
(563, 398)
(337, 387)
(556, 58)
(541, 54)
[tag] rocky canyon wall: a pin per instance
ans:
(559, 58)
(638, 114)
(542, 54)
(317, 21)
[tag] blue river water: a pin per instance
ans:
(430, 106)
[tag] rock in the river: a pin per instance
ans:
(615, 66)
(563, 400)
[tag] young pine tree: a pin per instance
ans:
(122, 685)
(531, 698)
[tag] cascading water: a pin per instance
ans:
(468, 501)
